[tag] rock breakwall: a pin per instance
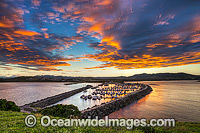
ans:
(114, 105)
(51, 100)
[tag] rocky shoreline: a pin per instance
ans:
(51, 100)
(114, 105)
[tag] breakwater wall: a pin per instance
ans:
(114, 105)
(51, 100)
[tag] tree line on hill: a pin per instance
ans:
(137, 77)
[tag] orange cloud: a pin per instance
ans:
(88, 19)
(45, 62)
(12, 46)
(111, 22)
(6, 25)
(36, 2)
(26, 32)
(103, 2)
(46, 35)
(6, 22)
(145, 61)
(93, 22)
(154, 45)
(17, 45)
(59, 9)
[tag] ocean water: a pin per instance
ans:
(169, 99)
(26, 92)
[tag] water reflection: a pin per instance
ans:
(26, 92)
(81, 103)
(169, 99)
(84, 104)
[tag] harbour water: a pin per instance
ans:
(81, 103)
(169, 99)
(26, 92)
(84, 104)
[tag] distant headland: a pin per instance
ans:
(137, 77)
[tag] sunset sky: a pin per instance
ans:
(99, 37)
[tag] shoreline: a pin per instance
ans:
(51, 100)
(186, 84)
(100, 81)
(48, 101)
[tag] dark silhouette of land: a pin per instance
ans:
(137, 77)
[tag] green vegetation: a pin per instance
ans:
(8, 105)
(66, 111)
(137, 77)
(14, 122)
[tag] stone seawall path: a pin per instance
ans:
(51, 100)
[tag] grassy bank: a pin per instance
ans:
(14, 122)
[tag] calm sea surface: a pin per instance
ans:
(26, 92)
(169, 99)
